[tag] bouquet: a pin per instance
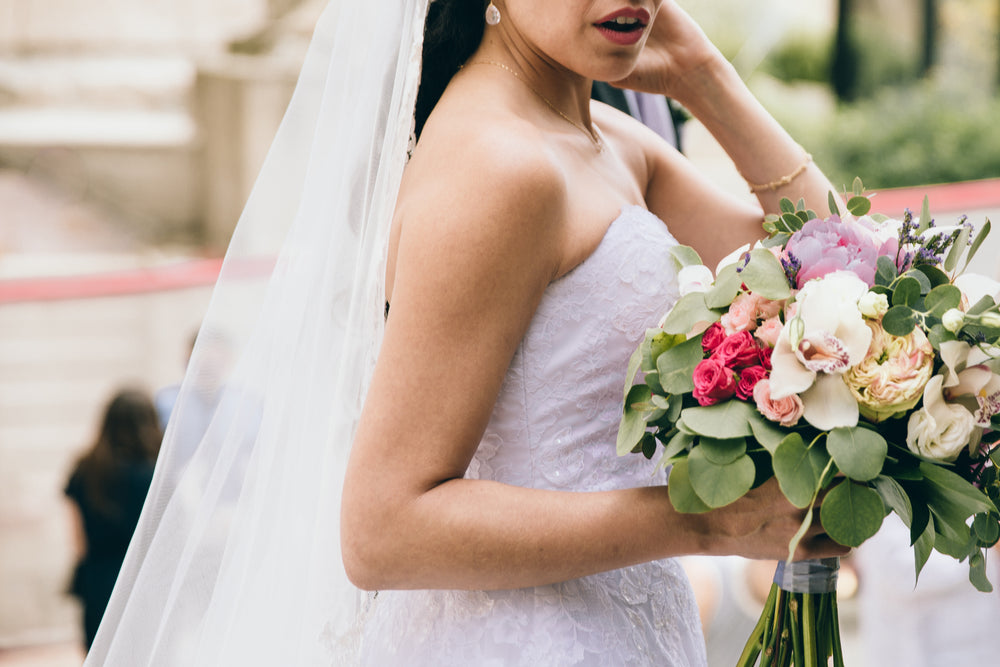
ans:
(849, 356)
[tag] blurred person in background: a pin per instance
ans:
(108, 486)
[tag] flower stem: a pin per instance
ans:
(760, 634)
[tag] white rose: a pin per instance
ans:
(939, 430)
(695, 278)
(873, 305)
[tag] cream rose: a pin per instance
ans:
(893, 374)
(939, 430)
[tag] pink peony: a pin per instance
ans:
(713, 382)
(768, 331)
(738, 351)
(713, 335)
(786, 411)
(825, 246)
(748, 380)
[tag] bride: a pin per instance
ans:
(520, 255)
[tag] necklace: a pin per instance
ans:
(594, 135)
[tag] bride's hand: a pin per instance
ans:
(676, 48)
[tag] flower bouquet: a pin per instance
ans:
(849, 356)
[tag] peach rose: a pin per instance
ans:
(768, 331)
(786, 411)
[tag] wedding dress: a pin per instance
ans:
(553, 427)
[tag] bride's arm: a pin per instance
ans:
(681, 62)
(480, 242)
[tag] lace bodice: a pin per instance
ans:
(554, 426)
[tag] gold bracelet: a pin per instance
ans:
(784, 180)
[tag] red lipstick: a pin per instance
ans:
(625, 26)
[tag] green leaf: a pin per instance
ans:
(680, 491)
(942, 298)
(858, 452)
(718, 485)
(851, 513)
(957, 250)
(894, 497)
(952, 494)
(985, 303)
(633, 422)
(899, 321)
(726, 287)
(920, 277)
(922, 548)
(984, 231)
(730, 419)
(678, 444)
(766, 432)
(684, 256)
(786, 205)
(790, 222)
(799, 469)
(933, 273)
(793, 544)
(859, 205)
(722, 452)
(925, 219)
(986, 528)
(906, 292)
(689, 310)
(977, 572)
(831, 198)
(886, 271)
(632, 371)
(765, 276)
(857, 187)
(676, 366)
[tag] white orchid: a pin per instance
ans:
(827, 336)
(694, 278)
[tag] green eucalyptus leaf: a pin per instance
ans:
(765, 276)
(689, 310)
(648, 445)
(925, 219)
(632, 371)
(718, 485)
(859, 205)
(799, 469)
(986, 528)
(957, 249)
(977, 572)
(921, 278)
(722, 452)
(681, 493)
(886, 271)
(851, 513)
(857, 187)
(633, 422)
(684, 256)
(676, 366)
(933, 273)
(726, 287)
(766, 432)
(657, 342)
(985, 303)
(858, 452)
(942, 298)
(906, 292)
(678, 444)
(831, 198)
(977, 242)
(899, 321)
(730, 419)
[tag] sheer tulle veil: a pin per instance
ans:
(236, 560)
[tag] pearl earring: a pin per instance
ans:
(492, 14)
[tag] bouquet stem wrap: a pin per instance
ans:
(799, 625)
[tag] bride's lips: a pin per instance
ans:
(625, 26)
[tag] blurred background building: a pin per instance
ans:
(131, 132)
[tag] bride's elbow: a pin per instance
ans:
(368, 542)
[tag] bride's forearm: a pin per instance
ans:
(765, 154)
(471, 534)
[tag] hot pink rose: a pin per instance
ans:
(713, 335)
(765, 356)
(738, 351)
(768, 331)
(749, 378)
(786, 411)
(713, 382)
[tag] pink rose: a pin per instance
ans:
(713, 335)
(738, 351)
(742, 314)
(748, 380)
(786, 411)
(764, 352)
(713, 382)
(768, 331)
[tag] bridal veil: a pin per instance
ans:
(236, 560)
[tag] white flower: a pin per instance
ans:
(827, 336)
(694, 278)
(975, 287)
(939, 430)
(732, 258)
(873, 305)
(953, 319)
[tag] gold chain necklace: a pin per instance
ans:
(594, 135)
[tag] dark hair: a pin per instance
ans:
(130, 434)
(452, 32)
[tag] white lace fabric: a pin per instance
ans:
(554, 427)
